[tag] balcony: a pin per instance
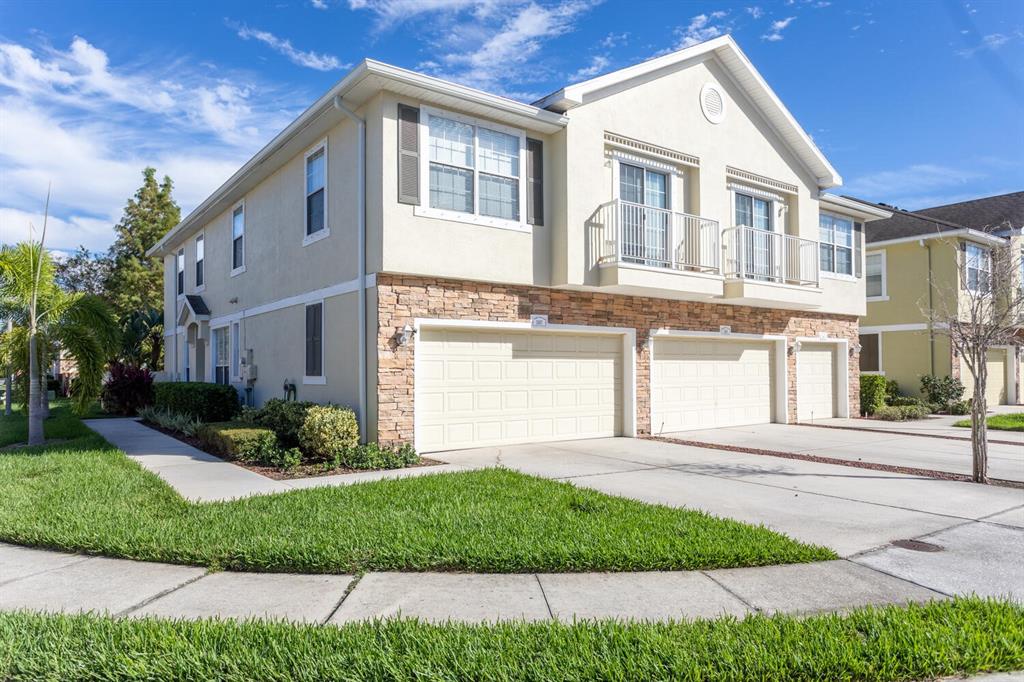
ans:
(764, 268)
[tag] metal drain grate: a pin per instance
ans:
(916, 545)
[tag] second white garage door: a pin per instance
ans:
(480, 388)
(702, 384)
(815, 382)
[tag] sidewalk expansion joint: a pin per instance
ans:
(547, 604)
(45, 570)
(159, 595)
(947, 595)
(344, 595)
(712, 578)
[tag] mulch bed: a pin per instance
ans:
(911, 433)
(301, 471)
(859, 464)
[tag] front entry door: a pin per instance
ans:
(644, 206)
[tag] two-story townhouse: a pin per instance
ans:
(647, 251)
(917, 262)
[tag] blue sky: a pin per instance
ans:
(915, 103)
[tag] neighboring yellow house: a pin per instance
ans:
(915, 261)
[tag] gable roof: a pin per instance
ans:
(195, 305)
(739, 67)
(925, 224)
(987, 214)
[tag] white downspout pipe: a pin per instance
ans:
(361, 249)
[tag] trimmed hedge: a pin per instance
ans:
(872, 393)
(285, 418)
(328, 430)
(901, 413)
(237, 440)
(203, 401)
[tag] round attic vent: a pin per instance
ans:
(712, 103)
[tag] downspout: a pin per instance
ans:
(931, 330)
(361, 250)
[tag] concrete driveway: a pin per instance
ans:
(920, 452)
(856, 512)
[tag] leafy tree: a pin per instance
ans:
(142, 338)
(83, 271)
(47, 319)
(135, 282)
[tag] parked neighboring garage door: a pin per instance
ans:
(815, 382)
(479, 388)
(709, 383)
(995, 386)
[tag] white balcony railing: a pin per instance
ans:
(768, 256)
(633, 233)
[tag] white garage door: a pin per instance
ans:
(995, 384)
(815, 383)
(700, 384)
(478, 388)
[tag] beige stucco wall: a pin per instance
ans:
(907, 356)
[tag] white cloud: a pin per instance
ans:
(598, 64)
(88, 127)
(775, 30)
(310, 59)
(914, 186)
(702, 27)
(755, 12)
(614, 40)
(318, 4)
(992, 41)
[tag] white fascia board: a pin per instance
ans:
(859, 209)
(533, 117)
(973, 235)
(742, 70)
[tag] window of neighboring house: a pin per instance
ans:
(235, 351)
(977, 267)
(836, 244)
(238, 239)
(871, 352)
(220, 356)
(316, 191)
(314, 341)
(474, 168)
(875, 269)
(180, 286)
(200, 261)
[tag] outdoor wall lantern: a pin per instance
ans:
(405, 336)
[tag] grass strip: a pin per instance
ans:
(84, 495)
(999, 422)
(914, 642)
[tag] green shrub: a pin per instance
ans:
(180, 423)
(202, 401)
(892, 390)
(285, 418)
(901, 413)
(238, 440)
(373, 456)
(328, 430)
(905, 400)
(941, 390)
(960, 407)
(285, 458)
(872, 393)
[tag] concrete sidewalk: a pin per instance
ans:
(47, 581)
(201, 477)
(935, 425)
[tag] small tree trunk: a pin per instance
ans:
(979, 427)
(35, 417)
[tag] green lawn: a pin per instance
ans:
(1000, 422)
(908, 643)
(84, 495)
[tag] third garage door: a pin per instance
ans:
(710, 383)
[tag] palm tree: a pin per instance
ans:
(46, 321)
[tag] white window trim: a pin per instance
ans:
(852, 277)
(424, 210)
(213, 351)
(881, 366)
(885, 279)
(195, 242)
(181, 269)
(308, 239)
(231, 238)
(774, 201)
(672, 172)
(232, 350)
(964, 270)
(322, 379)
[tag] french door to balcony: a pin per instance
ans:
(759, 252)
(645, 216)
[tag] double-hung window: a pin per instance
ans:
(314, 343)
(238, 239)
(220, 356)
(180, 280)
(316, 192)
(200, 261)
(977, 267)
(875, 271)
(474, 168)
(836, 244)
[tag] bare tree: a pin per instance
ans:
(984, 310)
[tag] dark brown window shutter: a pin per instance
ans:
(858, 249)
(408, 155)
(534, 182)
